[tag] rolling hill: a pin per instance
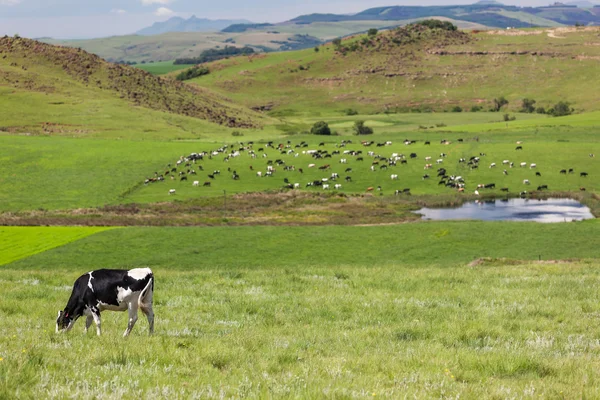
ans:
(65, 75)
(423, 70)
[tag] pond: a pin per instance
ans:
(550, 210)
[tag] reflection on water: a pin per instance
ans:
(550, 210)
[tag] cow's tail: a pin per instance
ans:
(145, 299)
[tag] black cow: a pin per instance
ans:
(542, 187)
(109, 289)
(583, 174)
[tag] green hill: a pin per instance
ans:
(65, 76)
(407, 69)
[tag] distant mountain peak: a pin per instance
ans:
(192, 24)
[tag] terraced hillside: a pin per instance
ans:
(65, 77)
(419, 69)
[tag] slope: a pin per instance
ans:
(30, 66)
(431, 71)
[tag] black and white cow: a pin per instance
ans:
(109, 289)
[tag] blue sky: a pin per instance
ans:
(97, 18)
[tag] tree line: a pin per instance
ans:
(214, 55)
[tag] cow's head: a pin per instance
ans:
(64, 321)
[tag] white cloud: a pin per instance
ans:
(15, 2)
(150, 2)
(118, 11)
(163, 12)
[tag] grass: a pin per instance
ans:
(297, 312)
(373, 81)
(21, 242)
(161, 68)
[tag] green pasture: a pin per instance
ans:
(550, 156)
(309, 83)
(318, 312)
(21, 242)
(161, 68)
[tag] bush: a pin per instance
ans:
(499, 103)
(373, 32)
(237, 133)
(457, 109)
(528, 106)
(437, 24)
(320, 128)
(540, 110)
(361, 129)
(507, 117)
(561, 109)
(192, 73)
(316, 49)
(350, 111)
(476, 108)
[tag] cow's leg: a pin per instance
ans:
(150, 315)
(96, 318)
(88, 323)
(132, 307)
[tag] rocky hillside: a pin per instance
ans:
(23, 61)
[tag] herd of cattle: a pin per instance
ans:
(325, 161)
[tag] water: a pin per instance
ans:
(550, 210)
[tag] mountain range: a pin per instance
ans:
(192, 24)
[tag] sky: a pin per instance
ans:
(71, 19)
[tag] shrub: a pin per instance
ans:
(507, 117)
(373, 32)
(350, 111)
(237, 133)
(316, 49)
(320, 128)
(561, 109)
(540, 110)
(476, 108)
(437, 24)
(457, 109)
(337, 43)
(192, 73)
(528, 105)
(499, 103)
(361, 129)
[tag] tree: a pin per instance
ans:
(373, 32)
(316, 49)
(337, 42)
(361, 129)
(499, 103)
(528, 105)
(320, 128)
(561, 109)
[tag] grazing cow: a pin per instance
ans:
(526, 181)
(582, 189)
(196, 183)
(394, 176)
(493, 165)
(427, 158)
(425, 176)
(296, 186)
(591, 155)
(427, 143)
(583, 174)
(183, 178)
(348, 170)
(171, 191)
(505, 172)
(348, 179)
(542, 187)
(109, 289)
(519, 148)
(370, 189)
(523, 164)
(505, 162)
(490, 186)
(532, 166)
(259, 174)
(563, 171)
(538, 174)
(343, 161)
(337, 186)
(207, 183)
(504, 189)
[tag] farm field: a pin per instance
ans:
(161, 68)
(383, 311)
(21, 242)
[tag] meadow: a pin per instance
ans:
(162, 67)
(325, 312)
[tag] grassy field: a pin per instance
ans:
(381, 78)
(21, 242)
(161, 68)
(316, 312)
